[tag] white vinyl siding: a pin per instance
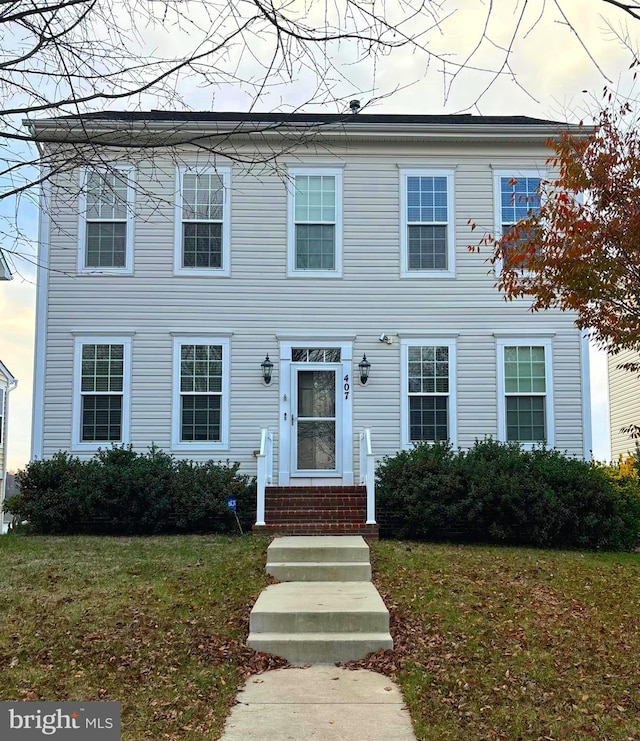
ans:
(624, 402)
(525, 388)
(106, 226)
(428, 391)
(201, 393)
(2, 415)
(202, 221)
(427, 237)
(315, 222)
(102, 371)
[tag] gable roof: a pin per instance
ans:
(7, 373)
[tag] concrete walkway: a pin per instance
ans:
(320, 703)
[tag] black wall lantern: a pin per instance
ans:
(267, 367)
(364, 366)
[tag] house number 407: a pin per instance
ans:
(346, 386)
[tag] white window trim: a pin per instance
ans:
(292, 271)
(225, 270)
(176, 443)
(527, 341)
(497, 200)
(82, 221)
(101, 339)
(434, 341)
(450, 272)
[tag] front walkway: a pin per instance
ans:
(319, 703)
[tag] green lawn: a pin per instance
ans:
(490, 643)
(504, 643)
(158, 624)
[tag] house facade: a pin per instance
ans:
(299, 300)
(7, 384)
(624, 402)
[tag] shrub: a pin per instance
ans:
(500, 493)
(122, 492)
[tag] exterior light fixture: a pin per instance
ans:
(267, 367)
(364, 366)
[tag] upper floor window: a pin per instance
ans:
(517, 196)
(315, 222)
(101, 394)
(203, 221)
(429, 391)
(525, 388)
(106, 221)
(427, 237)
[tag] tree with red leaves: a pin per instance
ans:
(578, 247)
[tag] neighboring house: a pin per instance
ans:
(5, 273)
(7, 384)
(301, 316)
(624, 402)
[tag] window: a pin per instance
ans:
(203, 220)
(106, 221)
(201, 398)
(2, 402)
(315, 222)
(428, 389)
(101, 380)
(525, 385)
(517, 196)
(427, 237)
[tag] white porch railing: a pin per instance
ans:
(368, 474)
(265, 471)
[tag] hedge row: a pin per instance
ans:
(500, 493)
(121, 492)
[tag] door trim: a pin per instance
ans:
(345, 440)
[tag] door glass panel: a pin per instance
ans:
(316, 394)
(316, 445)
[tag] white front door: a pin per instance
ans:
(316, 409)
(316, 419)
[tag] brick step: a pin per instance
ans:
(312, 499)
(315, 490)
(319, 516)
(318, 528)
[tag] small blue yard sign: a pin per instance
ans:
(231, 503)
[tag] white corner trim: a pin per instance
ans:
(585, 368)
(40, 341)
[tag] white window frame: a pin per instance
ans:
(450, 271)
(225, 173)
(129, 170)
(527, 341)
(292, 271)
(514, 173)
(433, 341)
(77, 443)
(181, 445)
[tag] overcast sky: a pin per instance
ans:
(552, 70)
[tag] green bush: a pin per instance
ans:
(122, 492)
(500, 493)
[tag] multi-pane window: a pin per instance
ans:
(201, 401)
(106, 220)
(427, 229)
(202, 221)
(101, 392)
(315, 230)
(525, 388)
(517, 196)
(429, 391)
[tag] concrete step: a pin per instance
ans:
(319, 622)
(319, 548)
(320, 648)
(319, 571)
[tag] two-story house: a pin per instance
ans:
(301, 301)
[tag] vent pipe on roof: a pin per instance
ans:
(355, 106)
